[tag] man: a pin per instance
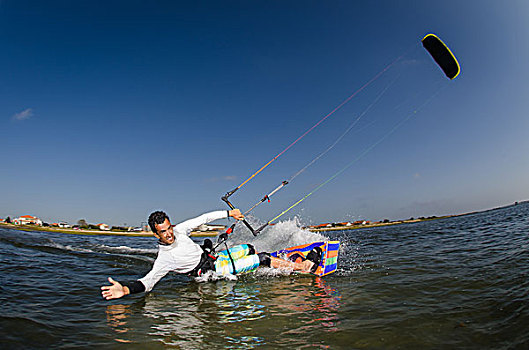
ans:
(178, 253)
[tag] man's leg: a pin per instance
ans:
(304, 266)
(248, 263)
(237, 251)
(308, 264)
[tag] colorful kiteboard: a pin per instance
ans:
(329, 259)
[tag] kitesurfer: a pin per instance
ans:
(178, 253)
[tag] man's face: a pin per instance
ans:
(164, 232)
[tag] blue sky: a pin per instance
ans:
(110, 110)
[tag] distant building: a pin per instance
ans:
(103, 227)
(361, 222)
(340, 224)
(347, 223)
(208, 227)
(27, 220)
(63, 224)
(322, 225)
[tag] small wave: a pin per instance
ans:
(99, 248)
(56, 245)
(125, 249)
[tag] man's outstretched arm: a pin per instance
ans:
(187, 226)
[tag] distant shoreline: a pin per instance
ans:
(398, 222)
(391, 223)
(94, 232)
(214, 233)
(208, 234)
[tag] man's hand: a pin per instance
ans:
(236, 214)
(115, 291)
(222, 237)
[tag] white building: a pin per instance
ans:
(27, 220)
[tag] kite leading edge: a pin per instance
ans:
(442, 55)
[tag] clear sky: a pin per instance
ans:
(113, 109)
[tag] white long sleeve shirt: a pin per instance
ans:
(183, 255)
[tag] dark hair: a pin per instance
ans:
(157, 218)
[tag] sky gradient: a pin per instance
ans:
(110, 110)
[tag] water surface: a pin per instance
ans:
(460, 282)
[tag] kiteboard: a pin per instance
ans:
(329, 257)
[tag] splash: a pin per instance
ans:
(282, 235)
(212, 276)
